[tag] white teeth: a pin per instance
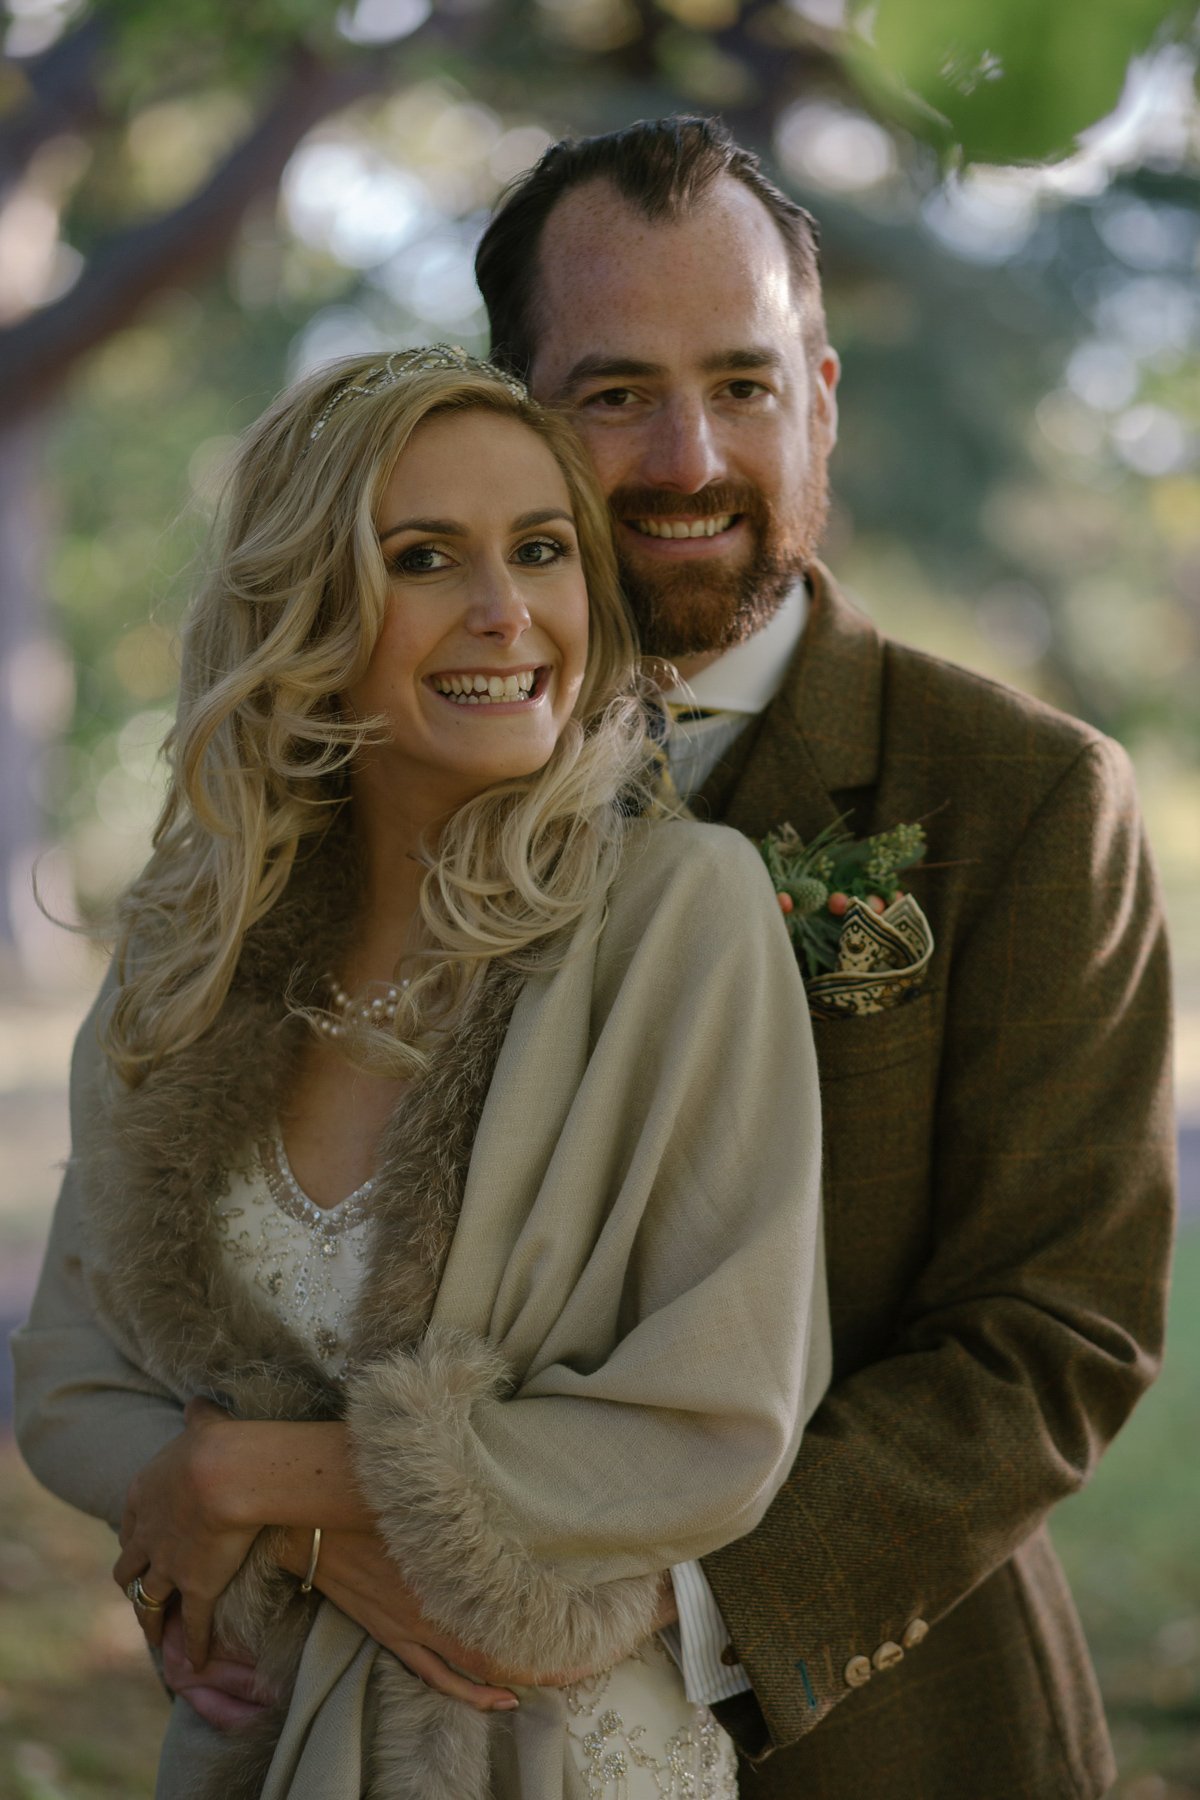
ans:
(486, 690)
(682, 528)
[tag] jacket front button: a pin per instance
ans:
(887, 1656)
(915, 1634)
(857, 1671)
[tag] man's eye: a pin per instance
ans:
(421, 559)
(612, 397)
(539, 551)
(745, 390)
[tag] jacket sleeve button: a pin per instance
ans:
(915, 1634)
(857, 1671)
(730, 1657)
(887, 1656)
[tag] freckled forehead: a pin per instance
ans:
(610, 278)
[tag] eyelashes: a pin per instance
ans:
(555, 545)
(406, 562)
(429, 559)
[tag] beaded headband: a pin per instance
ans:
(410, 362)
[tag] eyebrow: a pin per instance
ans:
(452, 527)
(750, 356)
(721, 362)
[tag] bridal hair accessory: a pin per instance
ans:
(410, 362)
(866, 946)
(306, 1584)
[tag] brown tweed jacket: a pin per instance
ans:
(999, 1198)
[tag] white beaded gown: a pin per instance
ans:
(634, 1733)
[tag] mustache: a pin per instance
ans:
(708, 503)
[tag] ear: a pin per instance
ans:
(826, 373)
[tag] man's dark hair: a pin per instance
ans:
(663, 167)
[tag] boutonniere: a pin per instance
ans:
(862, 942)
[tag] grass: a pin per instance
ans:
(82, 1715)
(81, 1710)
(1131, 1547)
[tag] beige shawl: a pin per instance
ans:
(628, 1335)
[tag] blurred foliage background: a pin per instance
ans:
(199, 200)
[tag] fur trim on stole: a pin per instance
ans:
(409, 1419)
(149, 1178)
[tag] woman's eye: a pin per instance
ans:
(540, 551)
(421, 559)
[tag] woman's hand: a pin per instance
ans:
(179, 1536)
(355, 1571)
(193, 1512)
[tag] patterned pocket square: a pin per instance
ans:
(882, 959)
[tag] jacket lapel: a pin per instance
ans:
(821, 734)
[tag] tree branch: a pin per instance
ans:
(63, 97)
(36, 353)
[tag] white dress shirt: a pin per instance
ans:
(732, 691)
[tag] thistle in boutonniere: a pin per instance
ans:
(818, 884)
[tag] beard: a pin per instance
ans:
(708, 605)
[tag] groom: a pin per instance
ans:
(998, 1151)
(998, 1154)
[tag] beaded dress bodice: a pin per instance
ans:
(633, 1732)
(307, 1260)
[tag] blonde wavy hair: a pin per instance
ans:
(260, 752)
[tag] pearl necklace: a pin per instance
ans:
(380, 1011)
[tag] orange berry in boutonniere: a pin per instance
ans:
(816, 882)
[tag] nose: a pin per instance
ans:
(497, 609)
(681, 450)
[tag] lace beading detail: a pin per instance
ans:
(326, 1222)
(697, 1761)
(291, 1248)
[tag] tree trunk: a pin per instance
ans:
(22, 708)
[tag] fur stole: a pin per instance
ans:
(159, 1158)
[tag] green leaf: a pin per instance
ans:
(1008, 80)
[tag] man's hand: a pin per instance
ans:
(225, 1691)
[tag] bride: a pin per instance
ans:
(438, 1263)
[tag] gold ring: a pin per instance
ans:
(137, 1593)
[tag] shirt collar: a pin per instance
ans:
(747, 678)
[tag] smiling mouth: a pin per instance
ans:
(712, 526)
(475, 688)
